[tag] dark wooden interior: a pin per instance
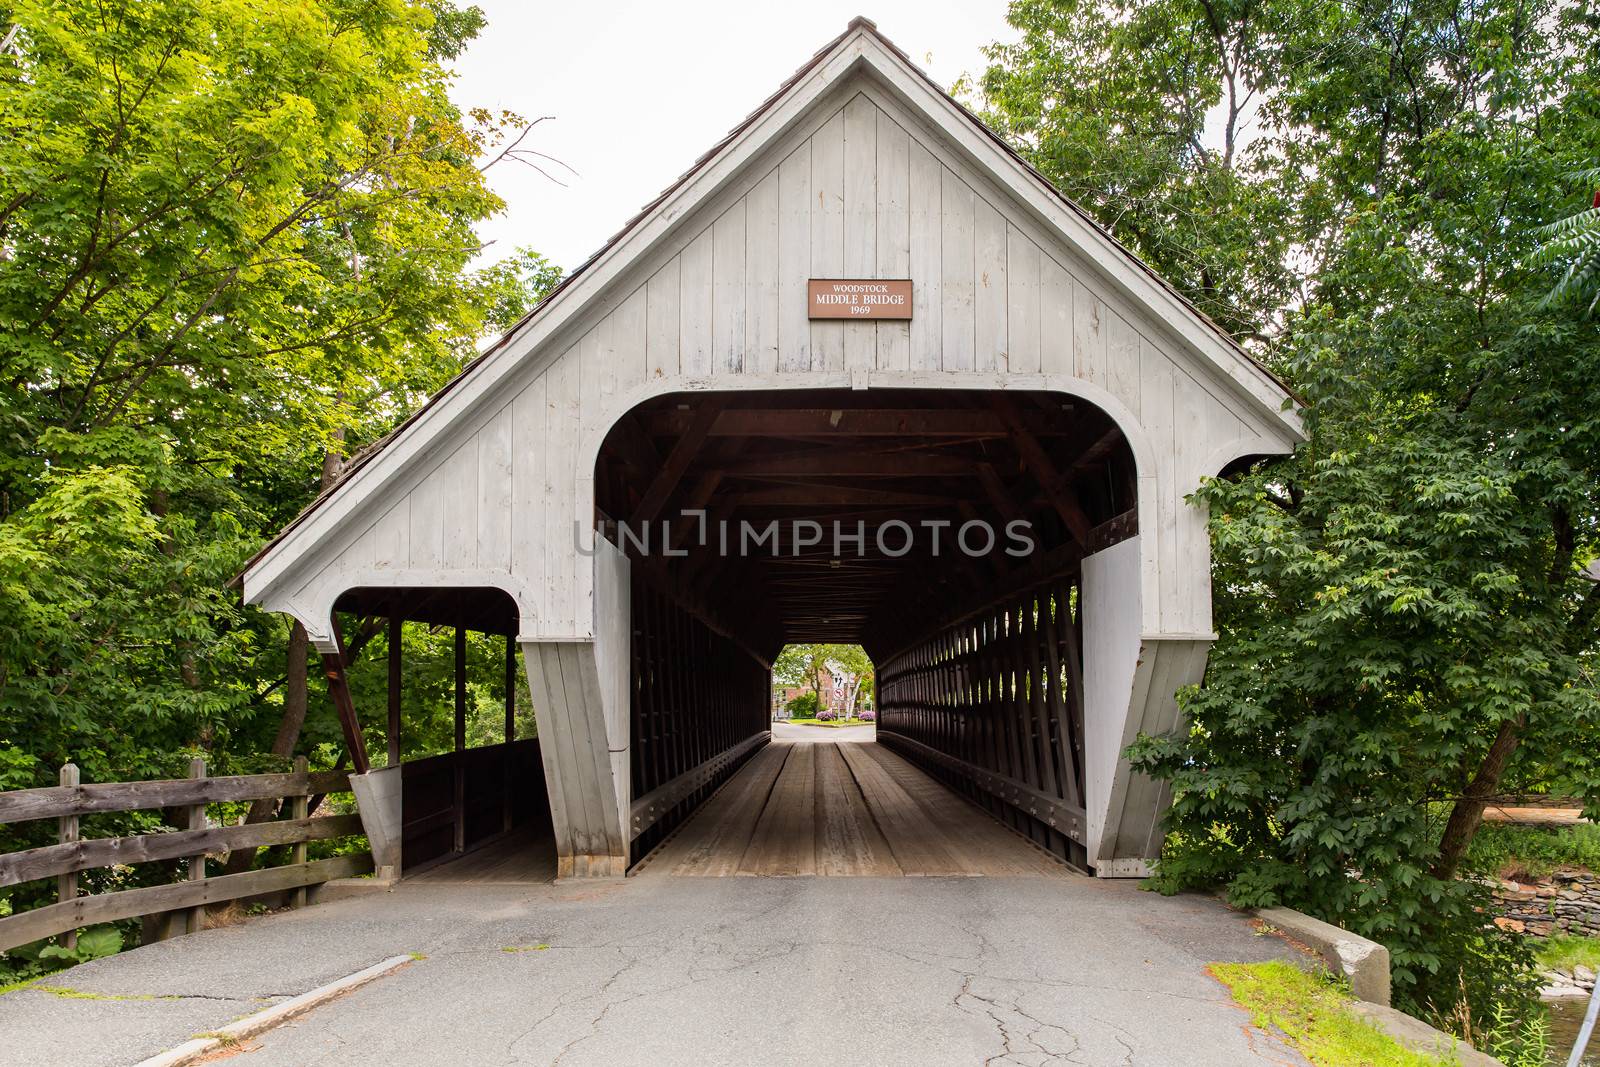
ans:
(870, 457)
(979, 654)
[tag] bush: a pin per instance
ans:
(827, 715)
(1533, 851)
(868, 715)
(803, 706)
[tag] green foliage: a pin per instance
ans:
(1313, 1012)
(1535, 851)
(235, 244)
(1565, 951)
(1573, 244)
(26, 963)
(803, 706)
(236, 240)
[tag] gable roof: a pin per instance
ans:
(567, 294)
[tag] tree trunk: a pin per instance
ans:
(295, 703)
(1467, 815)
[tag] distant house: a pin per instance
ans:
(835, 685)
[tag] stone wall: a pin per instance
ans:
(1567, 902)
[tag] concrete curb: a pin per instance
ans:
(1418, 1036)
(1364, 962)
(261, 1021)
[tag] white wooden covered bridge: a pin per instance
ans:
(687, 375)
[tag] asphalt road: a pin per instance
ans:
(664, 971)
(788, 731)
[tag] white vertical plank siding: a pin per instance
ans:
(827, 235)
(593, 350)
(494, 502)
(860, 221)
(661, 321)
(989, 287)
(1088, 336)
(1055, 323)
(958, 322)
(761, 296)
(627, 352)
(562, 435)
(1122, 360)
(894, 234)
(427, 523)
(727, 307)
(1157, 391)
(695, 306)
(1022, 302)
(926, 252)
(794, 259)
(530, 507)
(392, 536)
(460, 473)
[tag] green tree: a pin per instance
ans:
(1406, 629)
(235, 240)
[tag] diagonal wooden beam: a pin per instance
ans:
(677, 462)
(1034, 457)
(333, 664)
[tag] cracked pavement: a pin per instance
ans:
(662, 971)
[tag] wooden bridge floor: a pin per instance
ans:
(842, 809)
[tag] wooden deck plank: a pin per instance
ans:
(519, 858)
(842, 809)
(976, 840)
(713, 841)
(918, 846)
(848, 839)
(785, 841)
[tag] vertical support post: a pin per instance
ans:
(461, 740)
(511, 688)
(396, 640)
(299, 808)
(197, 863)
(339, 690)
(67, 831)
(507, 812)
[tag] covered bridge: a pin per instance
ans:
(991, 360)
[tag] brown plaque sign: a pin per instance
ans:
(860, 298)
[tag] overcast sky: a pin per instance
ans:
(639, 90)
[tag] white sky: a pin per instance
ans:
(639, 90)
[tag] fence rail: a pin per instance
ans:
(72, 855)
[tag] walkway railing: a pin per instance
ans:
(72, 855)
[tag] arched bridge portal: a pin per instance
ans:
(860, 316)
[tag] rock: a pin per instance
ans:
(1561, 992)
(1514, 925)
(1583, 973)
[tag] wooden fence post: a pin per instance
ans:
(197, 863)
(67, 831)
(299, 808)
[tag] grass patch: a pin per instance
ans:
(525, 948)
(1313, 1013)
(835, 724)
(1565, 951)
(1534, 851)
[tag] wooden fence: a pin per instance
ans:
(73, 854)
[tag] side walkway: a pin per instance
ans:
(923, 971)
